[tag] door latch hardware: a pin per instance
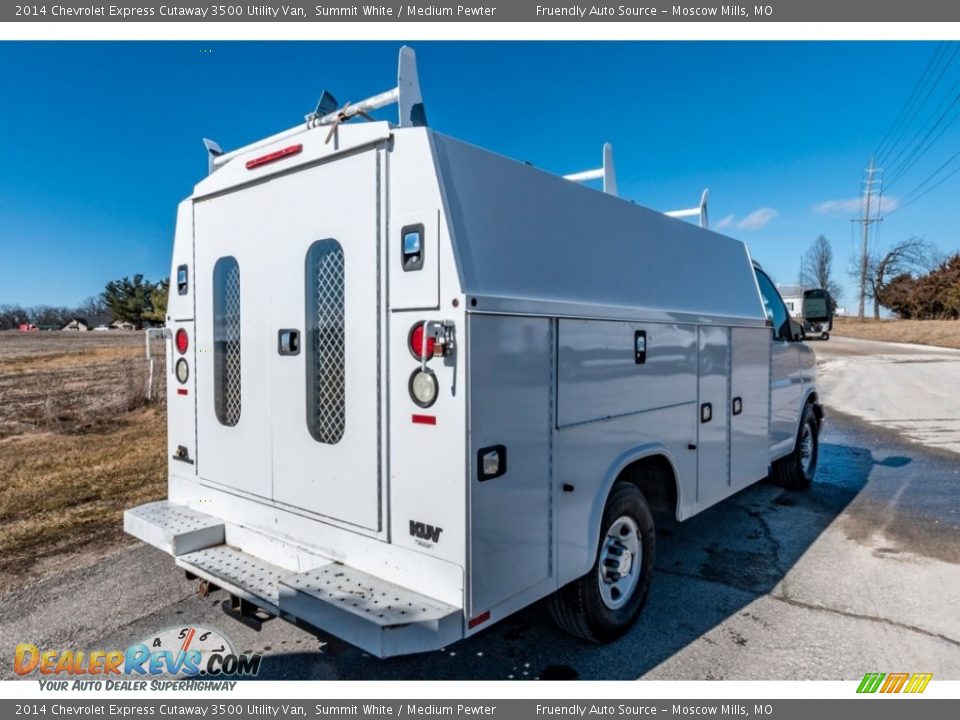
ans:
(288, 341)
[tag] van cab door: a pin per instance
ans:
(786, 388)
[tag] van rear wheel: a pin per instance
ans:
(603, 604)
(796, 470)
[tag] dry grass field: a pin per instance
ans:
(79, 443)
(942, 333)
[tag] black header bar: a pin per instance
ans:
(297, 11)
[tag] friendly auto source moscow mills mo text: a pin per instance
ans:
(583, 11)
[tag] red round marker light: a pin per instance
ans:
(416, 342)
(183, 342)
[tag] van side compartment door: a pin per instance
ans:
(713, 417)
(510, 408)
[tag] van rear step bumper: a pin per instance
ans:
(175, 529)
(375, 615)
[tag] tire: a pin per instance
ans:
(825, 336)
(599, 607)
(796, 470)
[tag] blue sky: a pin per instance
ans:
(101, 140)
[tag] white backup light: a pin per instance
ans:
(182, 370)
(423, 388)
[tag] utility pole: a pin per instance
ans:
(869, 180)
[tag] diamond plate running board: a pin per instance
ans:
(239, 574)
(378, 616)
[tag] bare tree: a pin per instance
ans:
(92, 307)
(906, 257)
(817, 267)
(11, 316)
(50, 315)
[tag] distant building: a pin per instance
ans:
(101, 321)
(76, 325)
(793, 298)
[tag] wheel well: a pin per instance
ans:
(655, 478)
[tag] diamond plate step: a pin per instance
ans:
(175, 529)
(239, 574)
(382, 618)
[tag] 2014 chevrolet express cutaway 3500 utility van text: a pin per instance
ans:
(416, 386)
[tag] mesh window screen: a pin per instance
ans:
(324, 342)
(226, 340)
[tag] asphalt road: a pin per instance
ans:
(912, 389)
(860, 573)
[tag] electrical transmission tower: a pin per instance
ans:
(870, 209)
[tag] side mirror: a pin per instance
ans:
(817, 305)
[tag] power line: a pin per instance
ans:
(906, 104)
(919, 150)
(932, 187)
(920, 106)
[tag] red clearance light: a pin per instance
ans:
(274, 156)
(183, 342)
(425, 419)
(416, 342)
(181, 391)
(478, 620)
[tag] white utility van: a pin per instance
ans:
(416, 386)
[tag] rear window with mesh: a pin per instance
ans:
(324, 342)
(226, 340)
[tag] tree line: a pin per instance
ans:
(134, 300)
(932, 295)
(907, 277)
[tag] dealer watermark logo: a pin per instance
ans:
(894, 682)
(181, 652)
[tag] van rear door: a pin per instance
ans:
(288, 392)
(326, 443)
(233, 315)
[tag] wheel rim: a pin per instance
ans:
(806, 449)
(621, 560)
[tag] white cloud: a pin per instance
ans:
(757, 219)
(845, 207)
(724, 223)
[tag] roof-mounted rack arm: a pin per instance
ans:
(607, 173)
(406, 95)
(700, 211)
